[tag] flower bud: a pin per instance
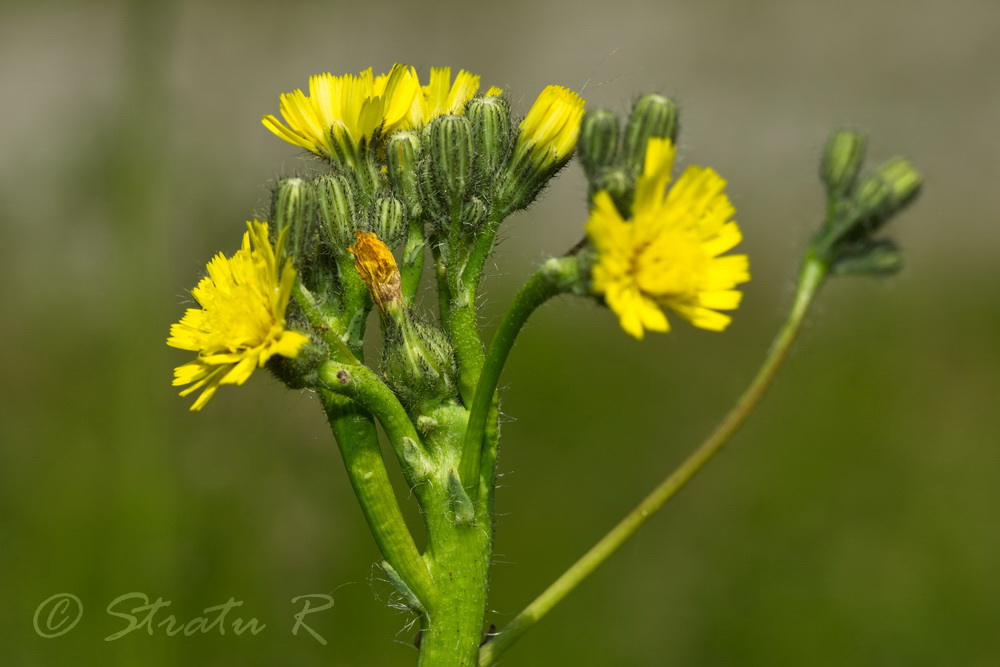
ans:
(545, 142)
(292, 209)
(845, 150)
(417, 358)
(387, 223)
(550, 130)
(474, 214)
(652, 116)
(598, 142)
(904, 182)
(492, 139)
(337, 213)
(402, 152)
(886, 191)
(846, 241)
(871, 198)
(451, 151)
(418, 361)
(621, 186)
(430, 200)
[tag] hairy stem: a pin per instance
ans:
(811, 278)
(361, 384)
(548, 281)
(413, 260)
(357, 438)
(329, 330)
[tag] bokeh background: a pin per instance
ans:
(852, 522)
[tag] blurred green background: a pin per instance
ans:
(852, 522)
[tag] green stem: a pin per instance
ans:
(356, 303)
(459, 562)
(441, 278)
(811, 278)
(307, 303)
(359, 383)
(413, 260)
(553, 278)
(463, 328)
(357, 438)
(459, 549)
(463, 331)
(476, 262)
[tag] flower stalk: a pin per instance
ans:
(354, 430)
(555, 277)
(811, 278)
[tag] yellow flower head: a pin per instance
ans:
(343, 111)
(377, 267)
(552, 125)
(241, 322)
(441, 97)
(668, 254)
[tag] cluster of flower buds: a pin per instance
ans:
(656, 243)
(613, 159)
(410, 166)
(859, 205)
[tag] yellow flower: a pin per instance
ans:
(377, 267)
(668, 254)
(341, 112)
(241, 322)
(552, 125)
(441, 97)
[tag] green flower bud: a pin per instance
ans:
(418, 361)
(292, 209)
(474, 213)
(871, 199)
(867, 257)
(845, 150)
(652, 116)
(337, 213)
(451, 151)
(621, 186)
(402, 152)
(387, 223)
(598, 146)
(492, 136)
(904, 182)
(847, 242)
(886, 191)
(430, 202)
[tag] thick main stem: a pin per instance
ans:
(810, 279)
(460, 542)
(459, 558)
(459, 550)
